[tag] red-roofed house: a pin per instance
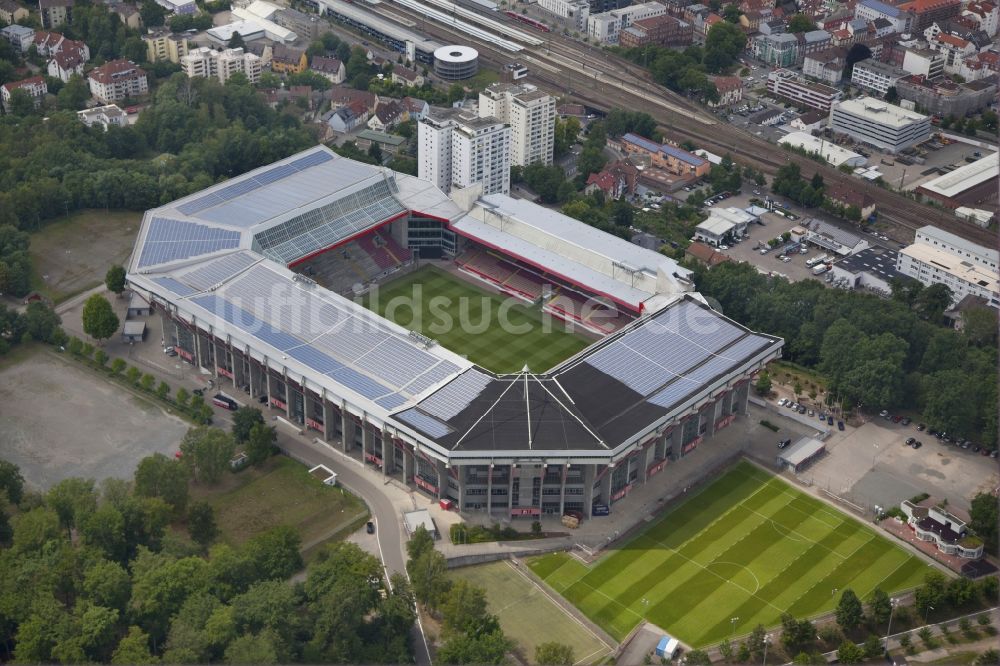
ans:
(117, 80)
(979, 66)
(953, 48)
(985, 14)
(65, 64)
(34, 86)
(329, 68)
(705, 254)
(730, 90)
(926, 12)
(387, 114)
(616, 179)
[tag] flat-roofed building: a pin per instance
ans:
(876, 76)
(941, 257)
(162, 44)
(577, 10)
(785, 83)
(103, 116)
(880, 124)
(606, 27)
(531, 114)
(968, 184)
(828, 150)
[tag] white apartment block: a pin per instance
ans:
(117, 80)
(876, 76)
(925, 62)
(104, 116)
(578, 10)
(455, 149)
(208, 63)
(880, 124)
(939, 257)
(531, 115)
(606, 26)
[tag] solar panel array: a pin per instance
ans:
(169, 240)
(173, 285)
(456, 395)
(424, 423)
(329, 224)
(675, 341)
(219, 270)
(351, 347)
(696, 378)
(252, 183)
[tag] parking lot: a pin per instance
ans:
(871, 464)
(62, 420)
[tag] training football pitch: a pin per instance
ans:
(749, 547)
(496, 332)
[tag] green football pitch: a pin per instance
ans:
(749, 547)
(496, 332)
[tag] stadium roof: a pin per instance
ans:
(607, 265)
(203, 256)
(608, 394)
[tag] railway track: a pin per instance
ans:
(609, 81)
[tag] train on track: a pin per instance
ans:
(538, 25)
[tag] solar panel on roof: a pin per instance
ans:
(456, 395)
(275, 174)
(359, 383)
(218, 270)
(174, 286)
(169, 240)
(424, 423)
(313, 159)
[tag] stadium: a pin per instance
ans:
(482, 349)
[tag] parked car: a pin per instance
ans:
(170, 351)
(840, 425)
(910, 440)
(812, 413)
(897, 418)
(906, 421)
(370, 527)
(921, 427)
(966, 444)
(782, 402)
(884, 414)
(829, 420)
(783, 443)
(802, 409)
(917, 444)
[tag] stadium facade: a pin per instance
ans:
(254, 278)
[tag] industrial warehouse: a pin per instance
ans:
(260, 280)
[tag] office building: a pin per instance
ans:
(879, 124)
(531, 115)
(876, 76)
(784, 83)
(457, 149)
(940, 257)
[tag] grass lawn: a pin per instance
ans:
(466, 320)
(748, 546)
(72, 254)
(523, 609)
(281, 493)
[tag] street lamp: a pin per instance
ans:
(767, 641)
(927, 612)
(888, 630)
(733, 621)
(833, 592)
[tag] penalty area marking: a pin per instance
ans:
(756, 581)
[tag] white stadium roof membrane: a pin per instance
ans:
(218, 259)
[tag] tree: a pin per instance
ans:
(182, 397)
(133, 649)
(99, 319)
(879, 607)
(115, 279)
(206, 453)
(763, 385)
(420, 542)
(800, 23)
(107, 584)
(260, 445)
(274, 554)
(429, 575)
(11, 481)
(20, 103)
(984, 517)
(118, 365)
(892, 95)
(152, 14)
(849, 653)
(490, 648)
(162, 477)
(697, 657)
(201, 523)
(236, 41)
(723, 45)
(556, 654)
(40, 322)
(850, 614)
(464, 607)
(931, 593)
(756, 640)
(72, 499)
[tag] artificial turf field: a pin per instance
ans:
(434, 303)
(748, 546)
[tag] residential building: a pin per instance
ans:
(980, 66)
(348, 117)
(615, 180)
(34, 86)
(21, 37)
(851, 196)
(179, 6)
(943, 97)
(876, 76)
(206, 63)
(161, 44)
(531, 115)
(953, 49)
(66, 63)
(605, 27)
(880, 124)
(129, 15)
(926, 12)
(665, 156)
(387, 114)
(705, 254)
(826, 65)
(388, 143)
(416, 109)
(869, 10)
(287, 60)
(405, 76)
(458, 149)
(659, 30)
(11, 12)
(940, 257)
(103, 116)
(730, 90)
(810, 120)
(924, 62)
(781, 50)
(968, 184)
(985, 14)
(784, 83)
(117, 80)
(577, 10)
(814, 41)
(330, 68)
(55, 12)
